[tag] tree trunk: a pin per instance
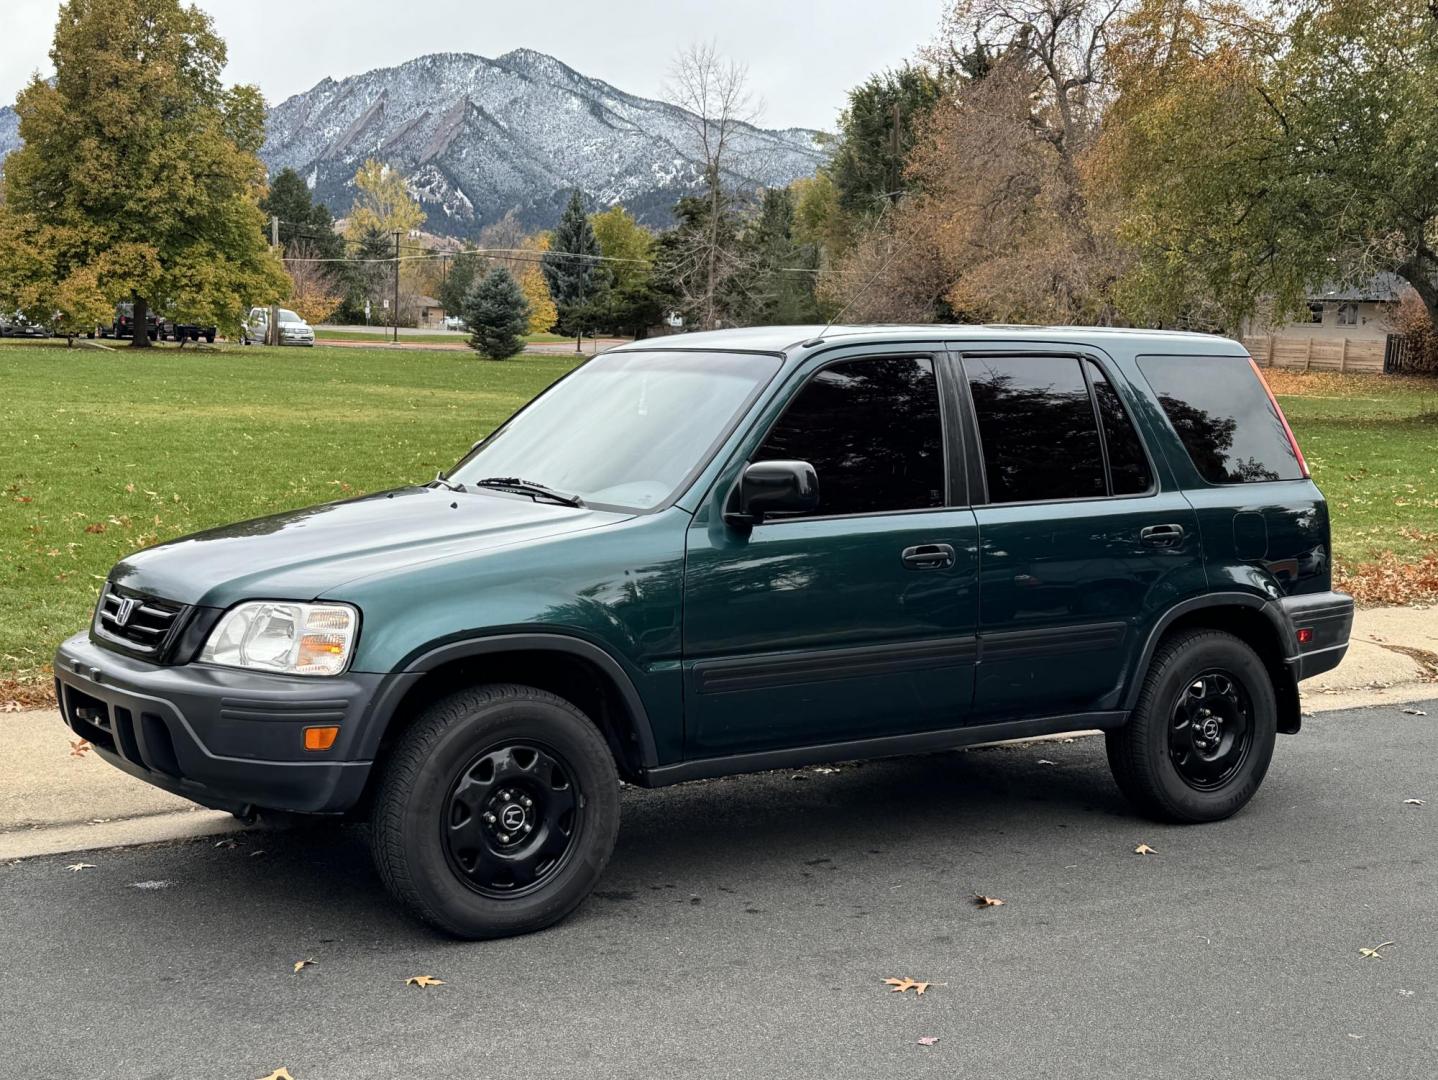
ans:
(139, 326)
(1420, 273)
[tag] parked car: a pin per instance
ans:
(17, 325)
(293, 329)
(123, 325)
(176, 331)
(734, 551)
(454, 322)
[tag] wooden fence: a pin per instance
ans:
(1318, 353)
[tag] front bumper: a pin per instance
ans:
(228, 739)
(1327, 619)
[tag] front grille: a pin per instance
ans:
(143, 625)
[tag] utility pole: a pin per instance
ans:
(275, 231)
(894, 153)
(396, 286)
(272, 331)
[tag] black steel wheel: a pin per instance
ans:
(496, 811)
(1199, 741)
(512, 819)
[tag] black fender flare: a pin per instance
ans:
(1268, 607)
(427, 659)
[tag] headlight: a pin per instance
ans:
(296, 639)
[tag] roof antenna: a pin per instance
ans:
(819, 337)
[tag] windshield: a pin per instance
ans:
(625, 429)
(286, 315)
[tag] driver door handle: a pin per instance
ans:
(1161, 535)
(928, 557)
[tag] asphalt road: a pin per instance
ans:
(746, 926)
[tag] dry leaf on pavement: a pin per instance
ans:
(898, 986)
(75, 868)
(302, 964)
(423, 981)
(79, 747)
(1144, 849)
(9, 705)
(1374, 952)
(1414, 712)
(281, 1073)
(1413, 802)
(987, 901)
(928, 1040)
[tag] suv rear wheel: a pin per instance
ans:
(1200, 740)
(496, 813)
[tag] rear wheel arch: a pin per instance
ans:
(571, 668)
(1254, 620)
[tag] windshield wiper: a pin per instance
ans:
(443, 481)
(525, 487)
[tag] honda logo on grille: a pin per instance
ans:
(127, 606)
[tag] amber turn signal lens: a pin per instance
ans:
(320, 738)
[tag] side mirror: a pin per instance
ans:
(773, 487)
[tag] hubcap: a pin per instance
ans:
(1211, 730)
(511, 819)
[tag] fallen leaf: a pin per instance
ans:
(1144, 849)
(75, 868)
(79, 747)
(95, 527)
(928, 1040)
(281, 1073)
(300, 965)
(9, 706)
(1414, 712)
(225, 843)
(1413, 802)
(423, 981)
(257, 851)
(1374, 952)
(898, 986)
(987, 901)
(1046, 761)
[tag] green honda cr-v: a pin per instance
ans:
(733, 551)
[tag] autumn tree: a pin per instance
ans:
(543, 313)
(716, 104)
(139, 177)
(1252, 157)
(382, 202)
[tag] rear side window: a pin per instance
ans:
(1037, 428)
(873, 432)
(1224, 418)
(1127, 464)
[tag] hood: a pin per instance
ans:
(304, 554)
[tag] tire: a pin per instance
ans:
(1192, 752)
(210, 338)
(475, 764)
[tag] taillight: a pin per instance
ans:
(1293, 442)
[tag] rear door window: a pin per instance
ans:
(1223, 416)
(1127, 464)
(1037, 428)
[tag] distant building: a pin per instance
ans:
(427, 312)
(1346, 328)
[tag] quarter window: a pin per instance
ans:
(1224, 417)
(873, 431)
(1036, 424)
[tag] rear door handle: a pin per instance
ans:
(928, 557)
(1161, 535)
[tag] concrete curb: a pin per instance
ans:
(151, 829)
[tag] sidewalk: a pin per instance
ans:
(52, 801)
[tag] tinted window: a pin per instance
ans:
(873, 432)
(1036, 424)
(1127, 466)
(1222, 413)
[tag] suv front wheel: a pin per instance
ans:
(496, 813)
(1201, 737)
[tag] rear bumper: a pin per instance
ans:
(1327, 619)
(227, 739)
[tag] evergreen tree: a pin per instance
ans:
(301, 218)
(573, 282)
(139, 177)
(464, 270)
(497, 314)
(876, 133)
(773, 289)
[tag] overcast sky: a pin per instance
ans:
(802, 54)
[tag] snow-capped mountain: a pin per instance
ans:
(476, 137)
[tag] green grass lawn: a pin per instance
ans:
(323, 333)
(1372, 444)
(105, 452)
(102, 453)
